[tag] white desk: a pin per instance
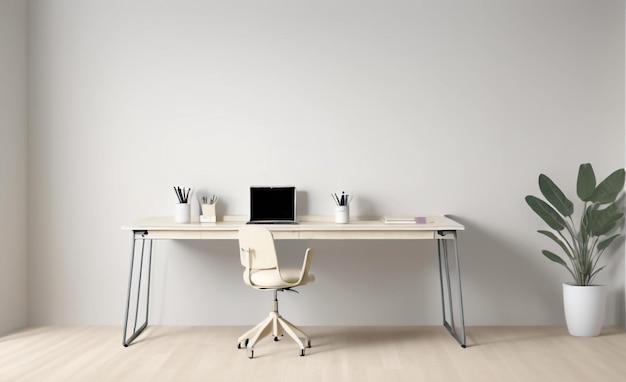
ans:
(439, 228)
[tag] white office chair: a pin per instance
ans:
(258, 256)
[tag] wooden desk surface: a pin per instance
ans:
(308, 227)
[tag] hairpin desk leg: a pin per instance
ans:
(446, 285)
(138, 236)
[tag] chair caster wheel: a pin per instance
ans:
(302, 353)
(251, 354)
(308, 344)
(276, 339)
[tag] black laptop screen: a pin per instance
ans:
(272, 204)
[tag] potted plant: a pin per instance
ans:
(583, 241)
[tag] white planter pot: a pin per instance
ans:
(584, 309)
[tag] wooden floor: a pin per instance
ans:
(338, 354)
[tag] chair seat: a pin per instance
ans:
(270, 278)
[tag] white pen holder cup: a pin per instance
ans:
(182, 214)
(342, 214)
(208, 213)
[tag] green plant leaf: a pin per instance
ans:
(606, 242)
(552, 236)
(546, 212)
(603, 221)
(593, 274)
(586, 183)
(601, 214)
(586, 222)
(555, 258)
(614, 209)
(608, 190)
(555, 196)
(605, 229)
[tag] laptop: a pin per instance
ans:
(272, 205)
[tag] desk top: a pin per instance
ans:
(308, 227)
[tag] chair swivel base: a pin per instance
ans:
(277, 326)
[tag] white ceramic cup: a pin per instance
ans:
(342, 214)
(182, 213)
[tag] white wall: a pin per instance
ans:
(13, 166)
(415, 107)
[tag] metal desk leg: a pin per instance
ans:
(446, 286)
(138, 237)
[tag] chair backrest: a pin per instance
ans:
(259, 243)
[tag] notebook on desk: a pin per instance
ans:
(272, 205)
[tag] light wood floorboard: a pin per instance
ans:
(338, 354)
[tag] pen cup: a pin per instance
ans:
(182, 213)
(208, 213)
(342, 214)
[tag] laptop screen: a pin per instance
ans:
(270, 204)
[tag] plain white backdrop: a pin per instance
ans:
(414, 107)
